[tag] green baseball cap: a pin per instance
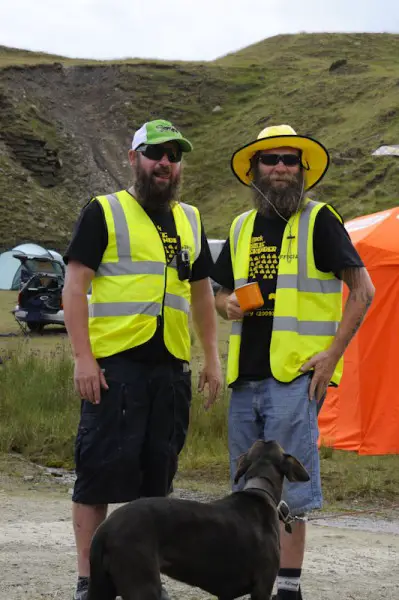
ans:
(159, 132)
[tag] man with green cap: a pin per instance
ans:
(284, 354)
(146, 256)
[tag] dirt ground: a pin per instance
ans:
(349, 556)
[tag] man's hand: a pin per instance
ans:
(233, 310)
(211, 376)
(89, 379)
(323, 364)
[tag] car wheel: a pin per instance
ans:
(35, 327)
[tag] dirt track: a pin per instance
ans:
(348, 558)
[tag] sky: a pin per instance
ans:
(179, 29)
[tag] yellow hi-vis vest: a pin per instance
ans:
(308, 303)
(134, 287)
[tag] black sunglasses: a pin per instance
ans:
(157, 151)
(271, 160)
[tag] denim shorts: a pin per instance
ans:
(128, 445)
(271, 410)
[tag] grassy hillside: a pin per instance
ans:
(65, 125)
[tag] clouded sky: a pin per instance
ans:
(179, 29)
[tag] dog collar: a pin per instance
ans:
(256, 485)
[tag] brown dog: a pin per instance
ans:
(229, 547)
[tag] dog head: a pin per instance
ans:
(269, 461)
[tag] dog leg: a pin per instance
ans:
(141, 591)
(136, 580)
(262, 590)
(101, 585)
(101, 588)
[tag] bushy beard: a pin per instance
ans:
(287, 200)
(151, 194)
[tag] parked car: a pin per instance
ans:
(40, 296)
(42, 279)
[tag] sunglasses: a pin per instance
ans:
(157, 151)
(271, 160)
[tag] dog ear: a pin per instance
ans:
(242, 467)
(293, 469)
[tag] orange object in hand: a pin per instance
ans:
(249, 296)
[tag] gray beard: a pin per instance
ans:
(286, 201)
(150, 195)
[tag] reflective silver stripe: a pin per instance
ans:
(237, 229)
(236, 328)
(288, 281)
(192, 217)
(301, 282)
(305, 283)
(121, 226)
(320, 286)
(125, 266)
(177, 302)
(328, 328)
(239, 282)
(124, 309)
(305, 327)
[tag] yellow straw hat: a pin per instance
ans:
(315, 158)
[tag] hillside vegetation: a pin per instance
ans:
(66, 125)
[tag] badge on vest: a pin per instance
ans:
(183, 264)
(183, 261)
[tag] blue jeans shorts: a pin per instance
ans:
(271, 410)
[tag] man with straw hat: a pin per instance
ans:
(284, 354)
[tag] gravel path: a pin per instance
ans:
(348, 557)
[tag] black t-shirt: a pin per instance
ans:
(89, 241)
(333, 251)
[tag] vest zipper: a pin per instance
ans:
(160, 318)
(122, 419)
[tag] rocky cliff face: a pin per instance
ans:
(65, 128)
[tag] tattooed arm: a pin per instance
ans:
(361, 293)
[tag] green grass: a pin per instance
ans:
(8, 300)
(87, 110)
(39, 412)
(37, 380)
(359, 480)
(13, 341)
(38, 407)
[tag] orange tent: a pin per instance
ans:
(362, 414)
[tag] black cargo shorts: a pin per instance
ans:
(128, 445)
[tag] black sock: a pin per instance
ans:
(288, 584)
(83, 582)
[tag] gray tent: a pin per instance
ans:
(10, 267)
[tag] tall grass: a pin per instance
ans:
(206, 451)
(38, 407)
(39, 412)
